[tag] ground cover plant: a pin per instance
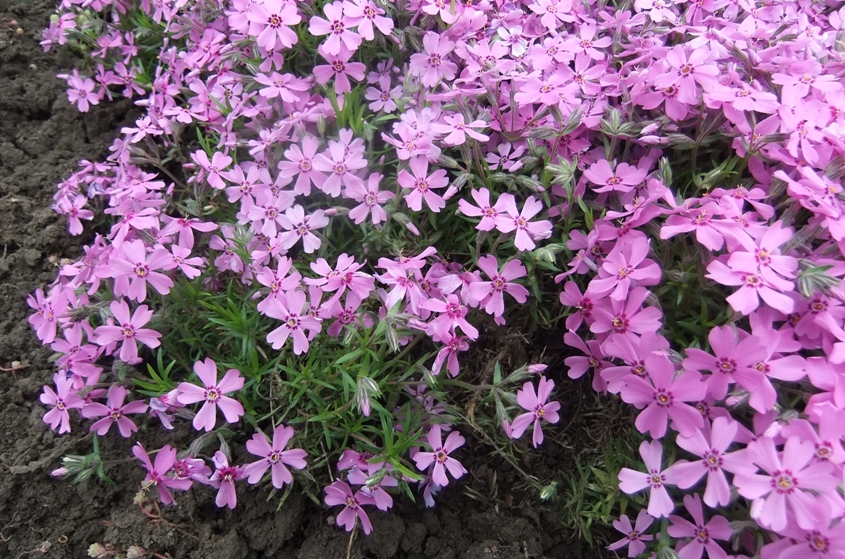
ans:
(327, 211)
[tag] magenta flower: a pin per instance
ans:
(157, 475)
(519, 221)
(634, 535)
(114, 411)
(338, 26)
(128, 331)
(421, 184)
(491, 293)
(752, 288)
(734, 360)
(212, 394)
(292, 309)
(448, 354)
(223, 479)
(763, 257)
(714, 461)
(451, 315)
(433, 64)
(702, 535)
(625, 317)
(539, 410)
(439, 456)
(62, 399)
(270, 21)
(274, 457)
(624, 268)
(664, 397)
(655, 478)
(789, 479)
(133, 269)
(339, 493)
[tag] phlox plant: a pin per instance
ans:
(303, 248)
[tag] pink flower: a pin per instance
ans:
(292, 309)
(789, 479)
(448, 354)
(753, 287)
(625, 267)
(212, 394)
(133, 269)
(634, 536)
(47, 312)
(301, 163)
(270, 21)
(764, 257)
(421, 185)
(623, 179)
(299, 226)
(128, 331)
(157, 474)
(274, 457)
(114, 412)
(369, 15)
(338, 26)
(489, 214)
(519, 221)
(655, 478)
(439, 456)
(73, 208)
(433, 64)
(345, 275)
(703, 535)
(81, 92)
(370, 198)
(64, 398)
(491, 293)
(340, 165)
(664, 397)
(219, 162)
(458, 130)
(451, 316)
(734, 361)
(625, 317)
(714, 461)
(224, 479)
(339, 67)
(539, 410)
(339, 493)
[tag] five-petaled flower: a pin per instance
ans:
(439, 457)
(213, 394)
(539, 410)
(274, 457)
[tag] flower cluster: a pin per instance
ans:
(671, 172)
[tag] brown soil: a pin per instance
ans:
(42, 137)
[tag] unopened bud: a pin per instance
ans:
(135, 552)
(96, 550)
(549, 491)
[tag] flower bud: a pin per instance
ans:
(549, 491)
(135, 552)
(96, 550)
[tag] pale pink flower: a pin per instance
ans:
(539, 410)
(655, 479)
(224, 478)
(128, 331)
(520, 221)
(338, 26)
(274, 457)
(422, 184)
